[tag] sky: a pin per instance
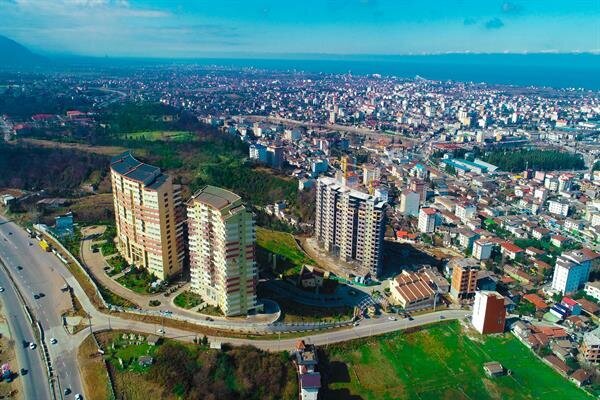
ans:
(199, 28)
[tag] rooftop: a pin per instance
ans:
(125, 164)
(215, 197)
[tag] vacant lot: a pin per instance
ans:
(289, 257)
(439, 362)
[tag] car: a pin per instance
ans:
(19, 267)
(392, 318)
(31, 244)
(53, 341)
(356, 323)
(10, 233)
(442, 317)
(410, 318)
(41, 294)
(36, 296)
(161, 331)
(1, 289)
(32, 346)
(209, 319)
(78, 397)
(24, 371)
(67, 391)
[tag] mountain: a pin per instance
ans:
(15, 54)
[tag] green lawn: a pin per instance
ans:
(187, 300)
(138, 280)
(290, 257)
(439, 362)
(179, 136)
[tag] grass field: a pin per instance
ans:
(439, 362)
(177, 136)
(290, 257)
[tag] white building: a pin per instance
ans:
(258, 152)
(482, 249)
(409, 203)
(427, 219)
(558, 207)
(465, 211)
(572, 270)
(221, 244)
(593, 289)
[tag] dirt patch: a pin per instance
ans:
(96, 384)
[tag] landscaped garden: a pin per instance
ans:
(439, 362)
(187, 300)
(138, 280)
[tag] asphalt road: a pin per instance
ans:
(35, 381)
(41, 273)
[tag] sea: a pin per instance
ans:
(575, 71)
(578, 71)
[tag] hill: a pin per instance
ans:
(15, 54)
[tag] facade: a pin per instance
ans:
(427, 219)
(489, 312)
(409, 203)
(275, 156)
(464, 280)
(558, 207)
(221, 243)
(482, 249)
(593, 289)
(465, 211)
(572, 270)
(258, 152)
(149, 216)
(350, 224)
(590, 348)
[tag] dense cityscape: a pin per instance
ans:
(199, 229)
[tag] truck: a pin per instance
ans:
(44, 245)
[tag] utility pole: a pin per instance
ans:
(90, 323)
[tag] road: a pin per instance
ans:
(42, 273)
(35, 381)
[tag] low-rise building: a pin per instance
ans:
(412, 292)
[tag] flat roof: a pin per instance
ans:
(215, 197)
(127, 165)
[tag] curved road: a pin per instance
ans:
(44, 272)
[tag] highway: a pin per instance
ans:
(35, 381)
(43, 272)
(35, 272)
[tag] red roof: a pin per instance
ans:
(569, 301)
(429, 211)
(536, 300)
(513, 248)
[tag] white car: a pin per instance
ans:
(392, 318)
(1, 289)
(53, 341)
(160, 331)
(78, 397)
(32, 346)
